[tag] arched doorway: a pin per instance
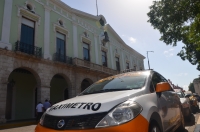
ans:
(20, 101)
(85, 83)
(59, 89)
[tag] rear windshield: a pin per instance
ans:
(117, 83)
(180, 95)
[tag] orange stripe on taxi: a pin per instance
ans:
(139, 124)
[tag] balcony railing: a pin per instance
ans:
(62, 58)
(29, 49)
(92, 66)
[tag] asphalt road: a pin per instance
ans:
(189, 126)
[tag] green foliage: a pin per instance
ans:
(191, 88)
(178, 20)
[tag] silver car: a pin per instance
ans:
(185, 105)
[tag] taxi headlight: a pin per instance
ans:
(121, 114)
(42, 119)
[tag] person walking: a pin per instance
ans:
(39, 111)
(46, 104)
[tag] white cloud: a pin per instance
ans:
(132, 40)
(185, 87)
(169, 53)
(182, 74)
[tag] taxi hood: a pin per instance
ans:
(92, 103)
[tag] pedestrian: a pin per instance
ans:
(39, 111)
(46, 104)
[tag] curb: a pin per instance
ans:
(17, 124)
(197, 126)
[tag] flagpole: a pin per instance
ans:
(97, 7)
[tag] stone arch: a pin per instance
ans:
(63, 92)
(86, 82)
(32, 67)
(21, 95)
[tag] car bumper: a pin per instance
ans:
(139, 124)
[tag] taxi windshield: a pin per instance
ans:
(117, 83)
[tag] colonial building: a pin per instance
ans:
(49, 50)
(196, 83)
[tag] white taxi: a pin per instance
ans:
(140, 101)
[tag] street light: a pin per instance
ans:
(148, 59)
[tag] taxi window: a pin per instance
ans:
(155, 79)
(117, 83)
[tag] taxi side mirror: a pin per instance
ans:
(163, 86)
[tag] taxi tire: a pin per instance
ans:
(154, 127)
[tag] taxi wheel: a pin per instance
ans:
(154, 127)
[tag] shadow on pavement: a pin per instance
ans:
(191, 121)
(188, 122)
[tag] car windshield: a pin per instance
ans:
(180, 95)
(120, 82)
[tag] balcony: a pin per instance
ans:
(92, 66)
(62, 58)
(29, 49)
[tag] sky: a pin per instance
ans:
(129, 19)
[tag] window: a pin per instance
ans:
(117, 64)
(134, 68)
(157, 78)
(27, 36)
(86, 52)
(60, 46)
(127, 65)
(104, 59)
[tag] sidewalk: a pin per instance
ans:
(14, 124)
(197, 126)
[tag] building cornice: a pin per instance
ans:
(109, 28)
(75, 11)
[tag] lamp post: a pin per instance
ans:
(148, 59)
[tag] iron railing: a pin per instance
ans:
(62, 58)
(29, 49)
(93, 66)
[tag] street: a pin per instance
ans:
(189, 126)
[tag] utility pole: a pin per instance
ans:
(148, 59)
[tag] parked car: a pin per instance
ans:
(194, 104)
(140, 101)
(197, 96)
(185, 104)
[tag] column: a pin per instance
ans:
(111, 56)
(122, 61)
(96, 49)
(5, 33)
(131, 61)
(75, 42)
(47, 33)
(3, 93)
(43, 93)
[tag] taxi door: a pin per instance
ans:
(164, 105)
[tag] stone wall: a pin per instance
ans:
(43, 71)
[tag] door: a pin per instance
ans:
(164, 103)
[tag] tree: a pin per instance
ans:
(178, 21)
(191, 88)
